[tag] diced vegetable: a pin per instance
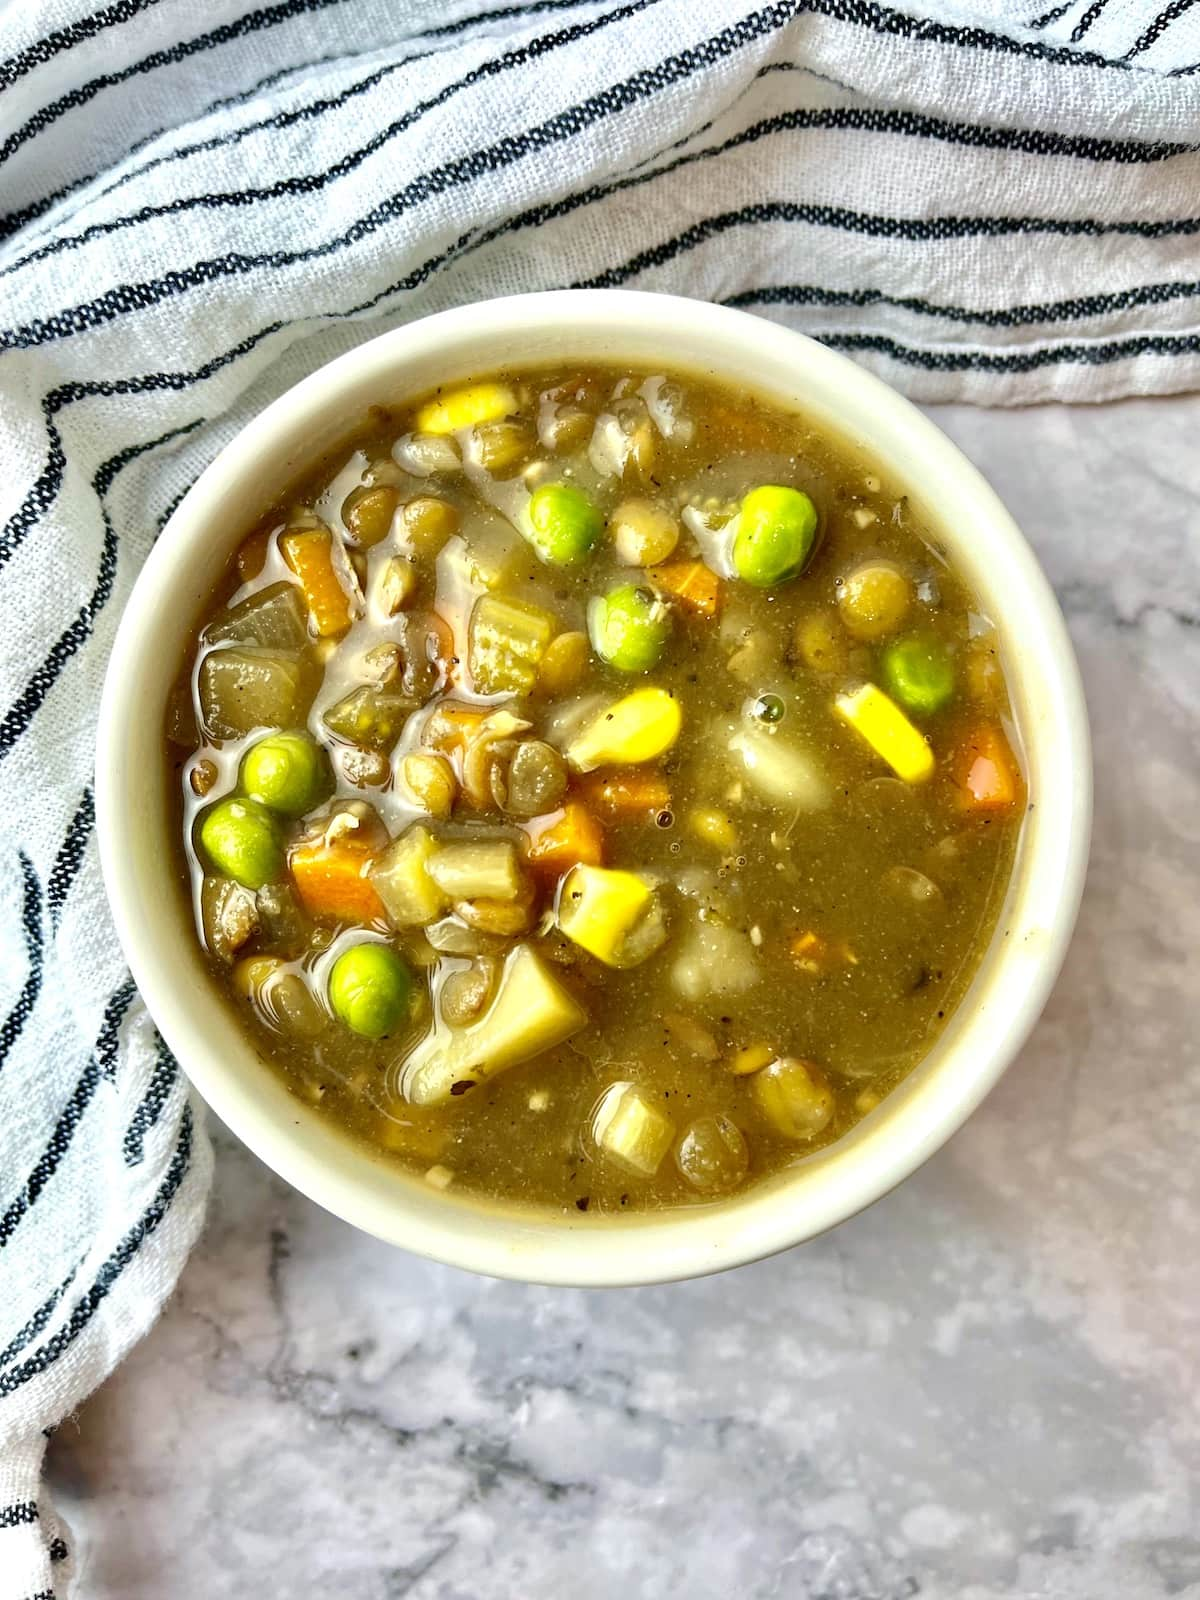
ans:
(563, 663)
(629, 627)
(466, 407)
(309, 553)
(775, 531)
(751, 1058)
(370, 989)
(821, 642)
(564, 839)
(815, 954)
(615, 916)
(696, 587)
(918, 672)
(400, 878)
(284, 925)
(452, 726)
(712, 1155)
(888, 731)
(431, 781)
(331, 879)
(874, 600)
(371, 717)
(537, 779)
(632, 1130)
(623, 797)
(507, 641)
(778, 768)
(714, 827)
(714, 959)
(368, 511)
(242, 840)
(273, 618)
(641, 727)
(532, 1012)
(229, 916)
(472, 868)
(794, 1096)
(243, 689)
(396, 585)
(564, 524)
(286, 772)
(987, 772)
(643, 533)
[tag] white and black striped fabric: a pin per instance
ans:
(199, 204)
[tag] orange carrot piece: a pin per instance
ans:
(695, 586)
(562, 839)
(637, 795)
(452, 726)
(331, 880)
(987, 772)
(309, 553)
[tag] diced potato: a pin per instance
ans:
(400, 877)
(714, 959)
(779, 769)
(477, 868)
(506, 642)
(369, 716)
(243, 689)
(641, 727)
(631, 1129)
(615, 916)
(888, 731)
(275, 618)
(532, 1012)
(466, 408)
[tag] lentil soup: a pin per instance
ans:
(596, 789)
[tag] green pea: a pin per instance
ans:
(370, 989)
(286, 771)
(776, 530)
(918, 672)
(629, 627)
(565, 524)
(242, 840)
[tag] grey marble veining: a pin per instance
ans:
(984, 1387)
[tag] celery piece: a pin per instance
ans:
(507, 641)
(532, 1012)
(275, 618)
(632, 1130)
(243, 689)
(400, 878)
(472, 869)
(370, 717)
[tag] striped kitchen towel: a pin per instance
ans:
(200, 204)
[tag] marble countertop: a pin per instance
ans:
(985, 1386)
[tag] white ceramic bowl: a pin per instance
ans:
(154, 923)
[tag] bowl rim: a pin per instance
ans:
(1015, 977)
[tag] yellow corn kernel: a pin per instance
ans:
(466, 408)
(599, 908)
(888, 731)
(750, 1058)
(641, 727)
(714, 827)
